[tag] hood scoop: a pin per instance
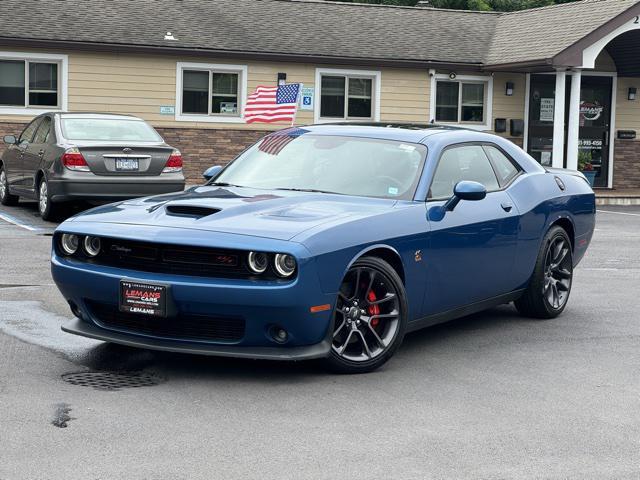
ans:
(192, 211)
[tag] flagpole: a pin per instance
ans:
(293, 119)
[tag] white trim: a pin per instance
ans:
(573, 128)
(527, 94)
(377, 81)
(590, 53)
(488, 113)
(211, 118)
(63, 77)
(559, 108)
(612, 128)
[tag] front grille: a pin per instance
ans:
(204, 328)
(172, 259)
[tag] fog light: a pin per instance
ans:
(69, 243)
(284, 264)
(258, 261)
(92, 246)
(279, 334)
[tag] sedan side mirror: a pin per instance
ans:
(465, 190)
(10, 139)
(211, 172)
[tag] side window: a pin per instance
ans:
(27, 133)
(467, 162)
(505, 169)
(42, 135)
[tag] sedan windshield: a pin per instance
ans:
(109, 130)
(330, 164)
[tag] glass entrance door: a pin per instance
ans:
(595, 121)
(595, 125)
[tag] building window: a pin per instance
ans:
(465, 100)
(210, 92)
(347, 95)
(29, 83)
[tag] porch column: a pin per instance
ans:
(574, 121)
(557, 159)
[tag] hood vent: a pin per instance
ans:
(193, 211)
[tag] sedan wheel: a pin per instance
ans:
(550, 285)
(46, 208)
(5, 197)
(369, 318)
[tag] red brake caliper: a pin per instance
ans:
(373, 309)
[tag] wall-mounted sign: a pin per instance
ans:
(228, 107)
(627, 134)
(167, 110)
(546, 109)
(306, 98)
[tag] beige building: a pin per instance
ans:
(560, 81)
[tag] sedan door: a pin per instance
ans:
(33, 156)
(472, 248)
(17, 175)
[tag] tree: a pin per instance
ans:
(482, 5)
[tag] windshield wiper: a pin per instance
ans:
(310, 190)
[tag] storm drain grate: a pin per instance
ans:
(112, 380)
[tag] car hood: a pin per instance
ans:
(276, 214)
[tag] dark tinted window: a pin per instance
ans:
(28, 133)
(42, 134)
(43, 84)
(332, 97)
(467, 162)
(11, 82)
(505, 169)
(195, 91)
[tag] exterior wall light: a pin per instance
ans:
(632, 93)
(282, 78)
(509, 89)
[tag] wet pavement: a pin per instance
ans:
(488, 396)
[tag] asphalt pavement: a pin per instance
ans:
(488, 396)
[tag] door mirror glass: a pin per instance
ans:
(211, 172)
(10, 139)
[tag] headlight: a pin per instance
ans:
(92, 246)
(69, 243)
(284, 264)
(258, 261)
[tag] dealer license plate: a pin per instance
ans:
(143, 298)
(127, 164)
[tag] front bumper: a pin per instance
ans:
(262, 305)
(86, 186)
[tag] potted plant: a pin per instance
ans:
(586, 167)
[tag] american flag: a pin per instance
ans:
(272, 104)
(273, 144)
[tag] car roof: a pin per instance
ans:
(96, 115)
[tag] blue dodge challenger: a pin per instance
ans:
(328, 241)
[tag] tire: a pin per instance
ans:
(369, 319)
(5, 197)
(548, 291)
(48, 210)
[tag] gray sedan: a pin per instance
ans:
(62, 157)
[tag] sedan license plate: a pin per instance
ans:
(127, 164)
(143, 298)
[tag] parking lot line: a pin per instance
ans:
(19, 223)
(619, 213)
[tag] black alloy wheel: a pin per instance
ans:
(369, 317)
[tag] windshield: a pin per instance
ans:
(333, 164)
(108, 129)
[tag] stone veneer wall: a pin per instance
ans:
(626, 168)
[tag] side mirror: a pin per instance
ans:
(465, 190)
(211, 172)
(10, 139)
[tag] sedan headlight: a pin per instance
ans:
(284, 264)
(258, 262)
(69, 243)
(92, 246)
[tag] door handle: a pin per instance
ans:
(506, 206)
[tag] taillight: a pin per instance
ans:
(73, 160)
(174, 164)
